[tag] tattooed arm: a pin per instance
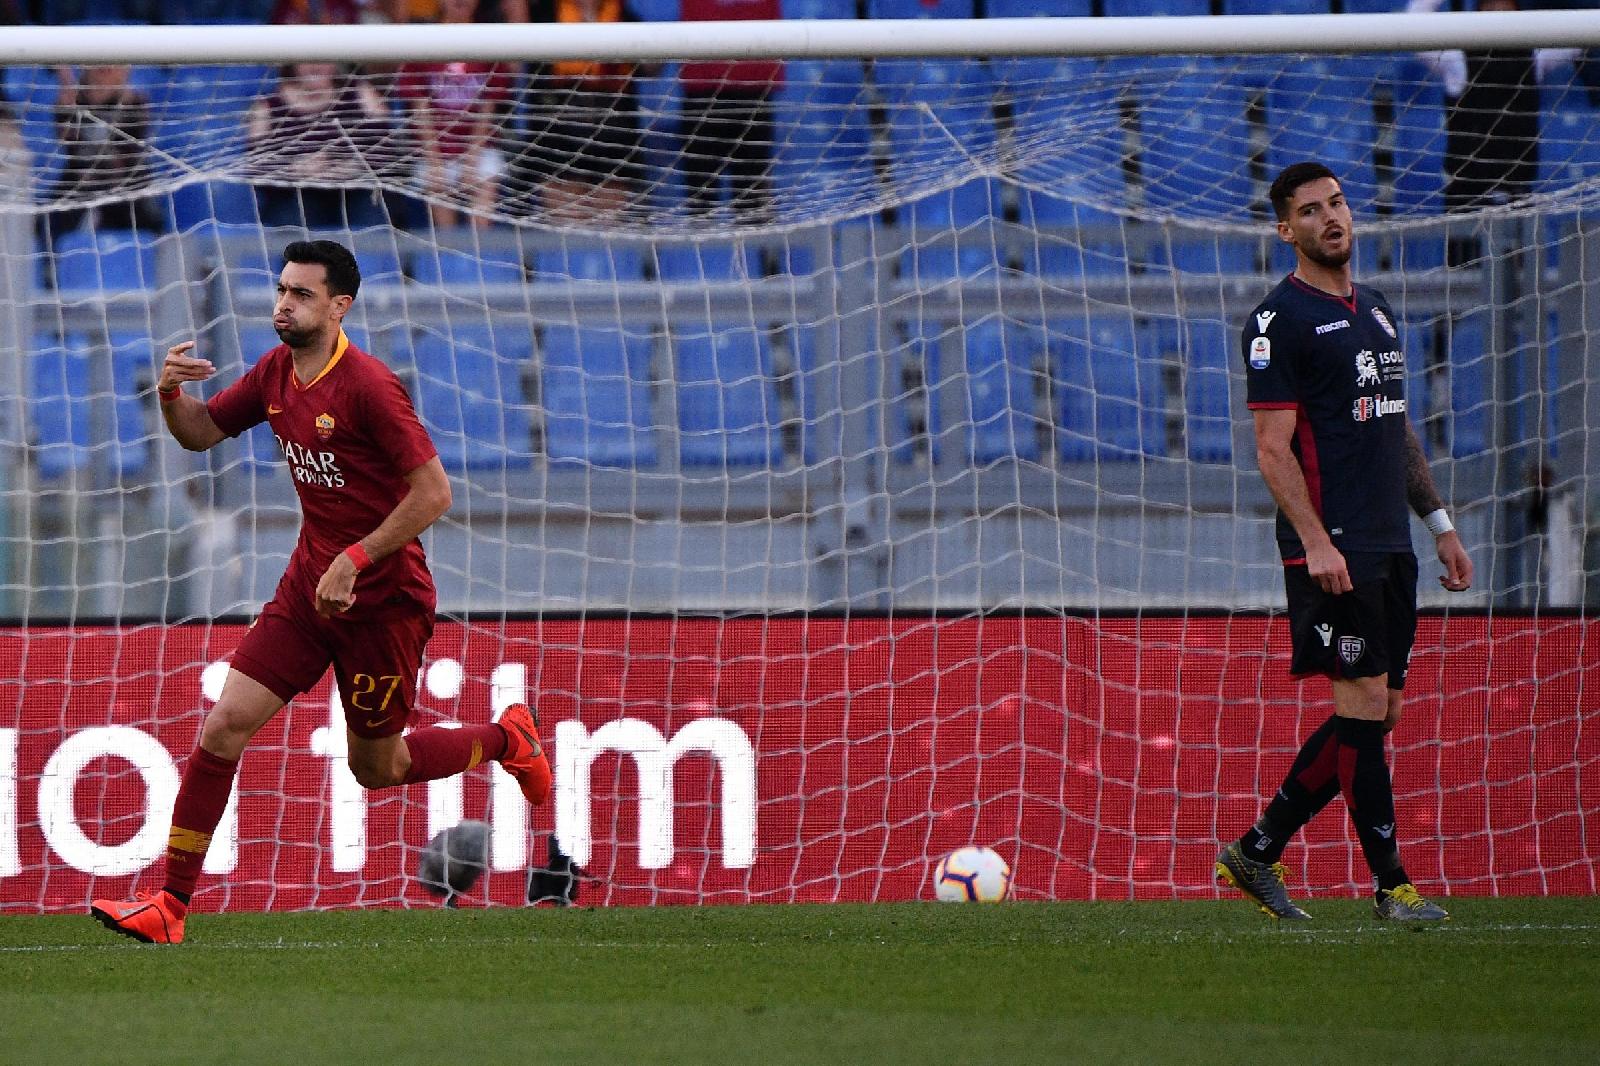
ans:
(1425, 500)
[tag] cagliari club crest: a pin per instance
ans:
(1383, 320)
(1350, 649)
(324, 426)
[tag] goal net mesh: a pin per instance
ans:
(849, 471)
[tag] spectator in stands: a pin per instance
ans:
(458, 111)
(1492, 116)
(727, 117)
(583, 140)
(317, 12)
(103, 125)
(319, 124)
(16, 162)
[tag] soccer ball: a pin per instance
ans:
(973, 874)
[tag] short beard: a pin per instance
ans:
(1332, 260)
(295, 338)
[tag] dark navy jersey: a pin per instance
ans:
(1338, 364)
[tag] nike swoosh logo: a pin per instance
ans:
(537, 750)
(373, 723)
(274, 409)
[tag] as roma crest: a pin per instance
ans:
(324, 426)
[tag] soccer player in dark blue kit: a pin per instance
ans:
(1325, 375)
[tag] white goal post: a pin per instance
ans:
(892, 496)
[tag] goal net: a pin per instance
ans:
(849, 461)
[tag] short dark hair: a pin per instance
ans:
(344, 277)
(1292, 177)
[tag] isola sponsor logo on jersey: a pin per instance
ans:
(311, 468)
(1369, 407)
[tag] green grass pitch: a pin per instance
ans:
(1506, 981)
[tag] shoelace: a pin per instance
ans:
(1408, 895)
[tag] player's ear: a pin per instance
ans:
(1285, 234)
(341, 305)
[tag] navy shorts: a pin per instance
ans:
(1366, 632)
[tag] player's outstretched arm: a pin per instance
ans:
(187, 417)
(1429, 506)
(428, 499)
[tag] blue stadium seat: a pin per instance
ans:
(1322, 109)
(952, 233)
(921, 9)
(1471, 403)
(1372, 7)
(1011, 9)
(1203, 348)
(818, 9)
(1003, 423)
(1569, 142)
(1110, 401)
(918, 359)
(199, 111)
(229, 202)
(707, 261)
(1165, 8)
(823, 134)
(939, 112)
(1210, 252)
(33, 89)
(1275, 7)
(1195, 140)
(58, 404)
(657, 10)
(816, 440)
(595, 392)
(590, 262)
(260, 446)
(469, 396)
(1062, 249)
(1070, 106)
(1419, 138)
(379, 266)
(1421, 251)
(1466, 406)
(727, 404)
(106, 261)
(456, 267)
(133, 373)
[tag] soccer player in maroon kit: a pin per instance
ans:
(357, 593)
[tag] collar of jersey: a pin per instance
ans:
(338, 353)
(1347, 301)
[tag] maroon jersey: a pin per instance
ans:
(350, 436)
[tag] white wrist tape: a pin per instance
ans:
(1438, 522)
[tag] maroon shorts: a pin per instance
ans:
(376, 664)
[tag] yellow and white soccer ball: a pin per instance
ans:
(973, 874)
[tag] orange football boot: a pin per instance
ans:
(524, 757)
(153, 917)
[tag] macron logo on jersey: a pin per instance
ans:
(1329, 327)
(1264, 319)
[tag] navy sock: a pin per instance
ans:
(1364, 780)
(1310, 785)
